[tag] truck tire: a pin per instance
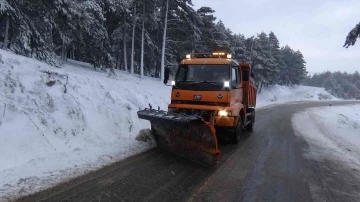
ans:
(235, 136)
(250, 126)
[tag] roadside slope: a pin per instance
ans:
(56, 124)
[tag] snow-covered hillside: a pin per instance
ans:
(56, 124)
(281, 94)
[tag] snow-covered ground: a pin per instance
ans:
(56, 124)
(332, 133)
(283, 94)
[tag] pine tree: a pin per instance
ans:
(263, 60)
(352, 36)
(207, 40)
(238, 48)
(107, 34)
(342, 85)
(275, 52)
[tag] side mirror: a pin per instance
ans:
(166, 75)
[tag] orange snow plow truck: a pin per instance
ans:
(211, 92)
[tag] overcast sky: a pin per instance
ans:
(317, 28)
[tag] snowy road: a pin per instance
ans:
(269, 165)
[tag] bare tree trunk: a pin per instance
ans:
(142, 45)
(6, 33)
(251, 51)
(73, 52)
(124, 41)
(63, 52)
(102, 43)
(156, 68)
(51, 35)
(53, 54)
(117, 60)
(133, 42)
(162, 69)
(260, 87)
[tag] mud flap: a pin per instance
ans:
(188, 136)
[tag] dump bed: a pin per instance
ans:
(250, 89)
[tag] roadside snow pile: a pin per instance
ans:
(59, 123)
(332, 133)
(281, 94)
(145, 135)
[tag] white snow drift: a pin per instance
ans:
(56, 124)
(332, 133)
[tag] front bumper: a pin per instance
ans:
(222, 121)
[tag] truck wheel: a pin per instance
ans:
(237, 132)
(250, 126)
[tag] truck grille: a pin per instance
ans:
(205, 114)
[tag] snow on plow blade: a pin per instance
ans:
(185, 135)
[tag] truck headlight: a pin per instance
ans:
(224, 113)
(226, 84)
(173, 83)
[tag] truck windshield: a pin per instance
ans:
(203, 73)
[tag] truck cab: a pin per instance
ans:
(217, 88)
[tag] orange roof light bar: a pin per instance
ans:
(219, 53)
(223, 55)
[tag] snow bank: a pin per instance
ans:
(331, 132)
(59, 123)
(282, 94)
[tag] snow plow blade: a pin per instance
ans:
(188, 136)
